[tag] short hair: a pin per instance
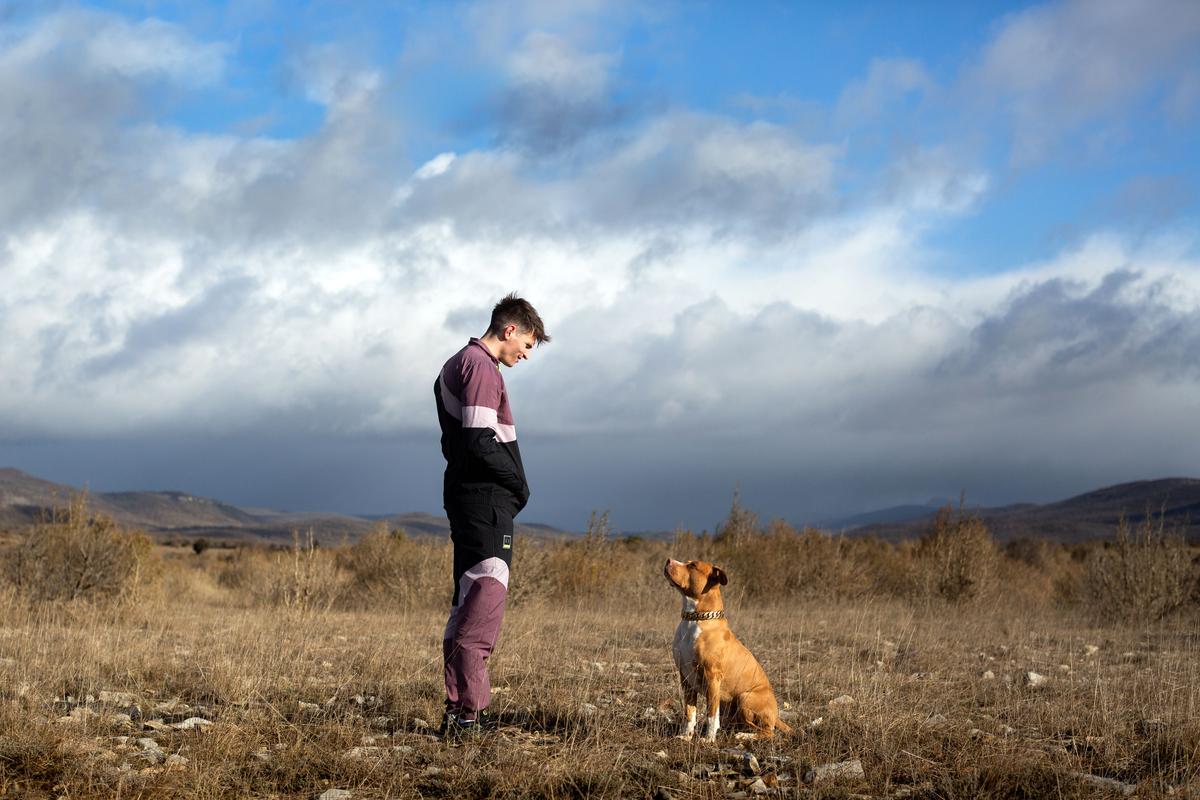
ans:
(513, 310)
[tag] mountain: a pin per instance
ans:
(25, 498)
(883, 515)
(1092, 515)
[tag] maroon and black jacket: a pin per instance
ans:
(479, 437)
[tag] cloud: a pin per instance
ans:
(685, 169)
(556, 94)
(888, 83)
(1050, 70)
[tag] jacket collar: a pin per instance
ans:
(475, 340)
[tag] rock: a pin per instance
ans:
(155, 725)
(816, 723)
(975, 733)
(587, 709)
(420, 724)
(116, 698)
(1064, 668)
(263, 755)
(1106, 784)
(1005, 730)
(661, 754)
(989, 675)
(758, 787)
(431, 770)
(402, 749)
(146, 743)
(841, 770)
(841, 700)
(1035, 680)
(1090, 649)
(746, 762)
(363, 752)
(335, 794)
(936, 720)
(381, 723)
(153, 756)
(177, 761)
(311, 708)
(192, 722)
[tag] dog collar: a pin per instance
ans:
(698, 616)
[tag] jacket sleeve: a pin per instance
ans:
(481, 402)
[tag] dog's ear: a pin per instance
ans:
(717, 576)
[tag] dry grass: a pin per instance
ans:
(584, 679)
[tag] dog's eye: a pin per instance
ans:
(691, 565)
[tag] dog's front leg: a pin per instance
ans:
(690, 698)
(712, 684)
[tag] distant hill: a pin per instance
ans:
(1091, 515)
(25, 498)
(884, 515)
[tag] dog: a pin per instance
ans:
(712, 663)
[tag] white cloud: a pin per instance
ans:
(93, 42)
(1051, 69)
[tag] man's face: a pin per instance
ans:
(515, 346)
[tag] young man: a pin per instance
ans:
(484, 489)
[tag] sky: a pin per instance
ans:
(832, 256)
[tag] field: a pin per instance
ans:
(317, 669)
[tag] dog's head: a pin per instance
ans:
(694, 578)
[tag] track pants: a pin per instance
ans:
(482, 537)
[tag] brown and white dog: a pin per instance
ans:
(712, 663)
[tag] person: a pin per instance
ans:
(483, 490)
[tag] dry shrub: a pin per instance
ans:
(73, 555)
(387, 567)
(303, 577)
(956, 560)
(1145, 574)
(588, 566)
(783, 563)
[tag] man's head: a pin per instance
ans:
(514, 331)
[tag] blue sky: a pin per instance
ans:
(841, 255)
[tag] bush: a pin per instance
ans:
(1145, 574)
(957, 559)
(72, 555)
(386, 566)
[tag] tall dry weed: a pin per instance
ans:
(1144, 575)
(956, 560)
(389, 568)
(74, 555)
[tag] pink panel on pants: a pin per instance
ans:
(471, 634)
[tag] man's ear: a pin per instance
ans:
(717, 576)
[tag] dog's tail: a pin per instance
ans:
(783, 726)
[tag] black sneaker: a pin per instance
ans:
(455, 728)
